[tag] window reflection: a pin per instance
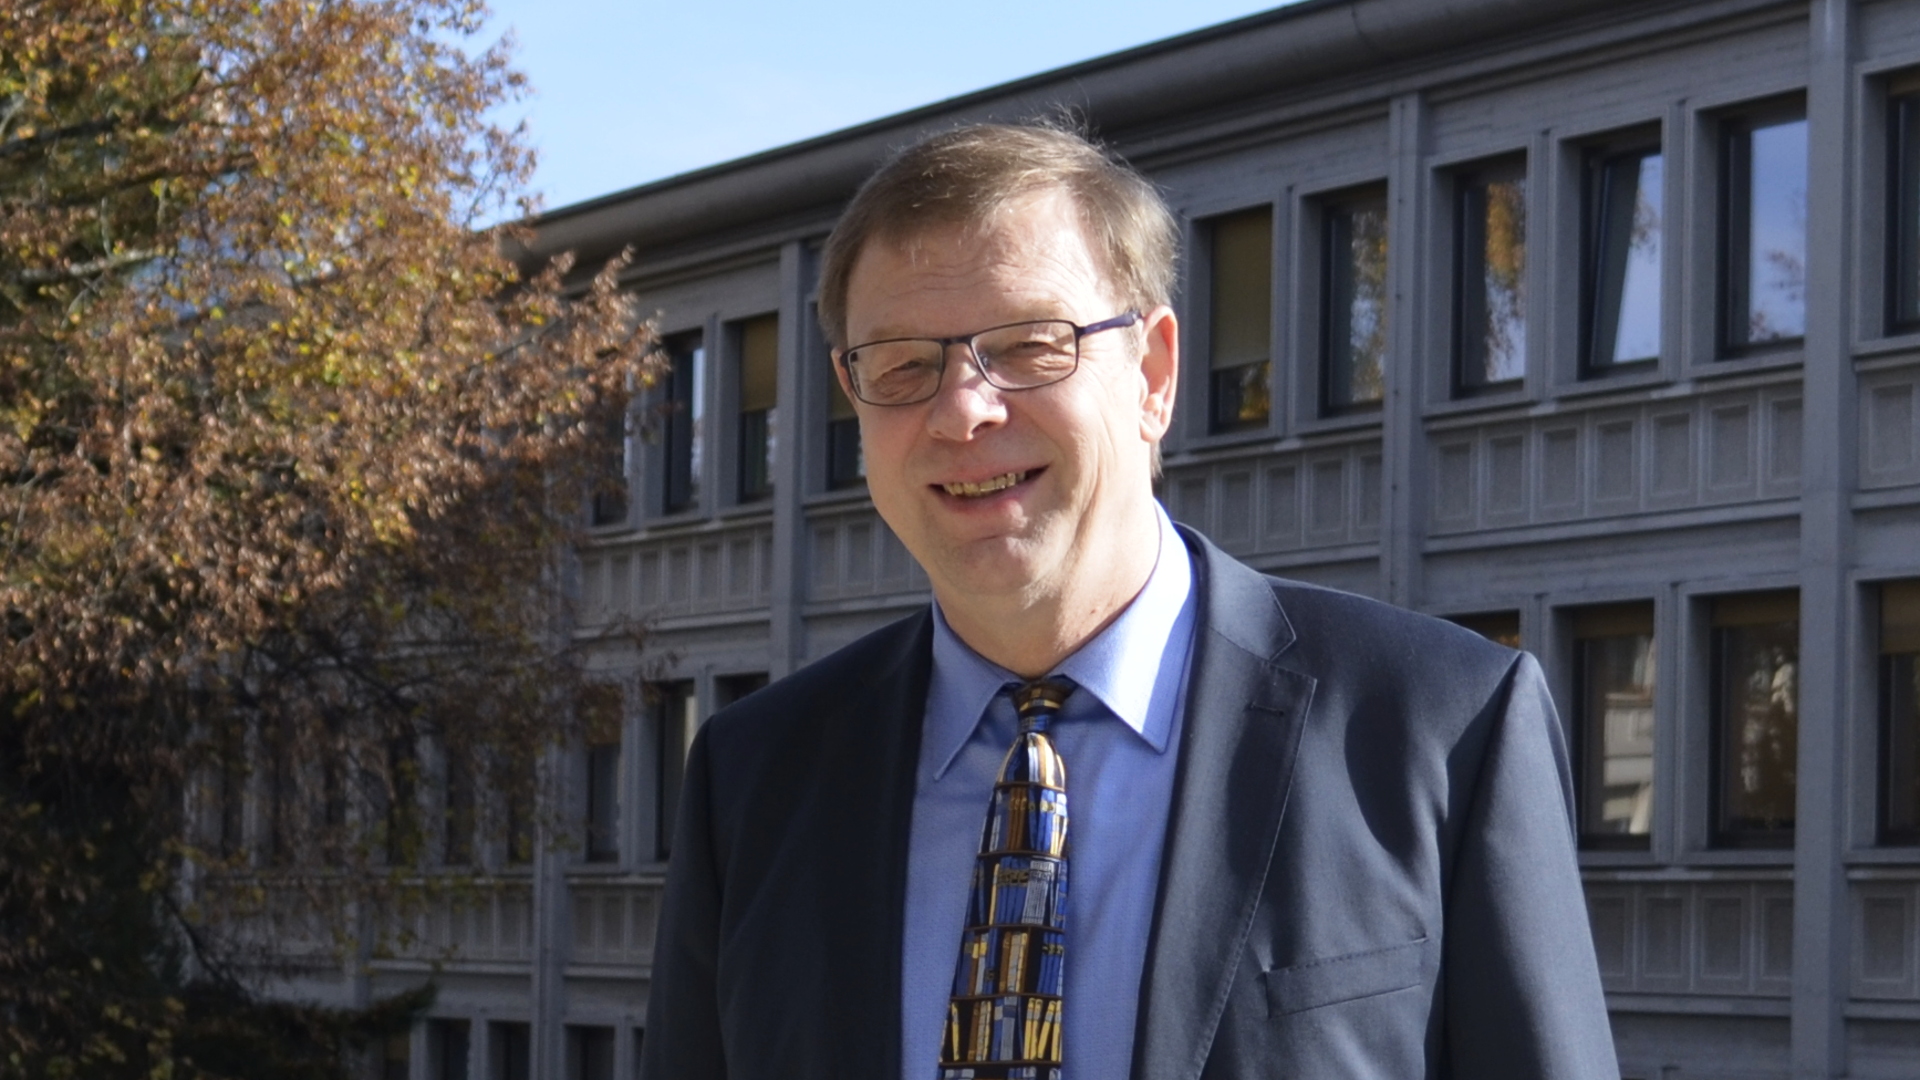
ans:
(1241, 330)
(681, 415)
(1490, 285)
(1614, 672)
(1354, 326)
(601, 709)
(846, 464)
(676, 718)
(1903, 181)
(1756, 643)
(759, 344)
(1900, 712)
(1624, 203)
(1766, 233)
(1499, 627)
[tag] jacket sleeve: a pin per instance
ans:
(683, 1039)
(1522, 989)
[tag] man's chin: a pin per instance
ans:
(1002, 566)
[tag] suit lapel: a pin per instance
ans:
(1242, 725)
(884, 717)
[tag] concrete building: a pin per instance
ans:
(1594, 324)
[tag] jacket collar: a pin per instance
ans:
(1243, 722)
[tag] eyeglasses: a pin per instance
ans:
(1017, 356)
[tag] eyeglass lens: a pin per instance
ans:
(1017, 357)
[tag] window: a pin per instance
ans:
(759, 350)
(395, 1057)
(639, 1045)
(1620, 265)
(846, 466)
(1613, 670)
(447, 1049)
(1499, 627)
(1900, 712)
(284, 807)
(680, 414)
(589, 1053)
(1353, 320)
(1756, 717)
(230, 792)
(458, 821)
(1240, 333)
(601, 715)
(1903, 209)
(403, 810)
(610, 487)
(728, 689)
(676, 717)
(1763, 233)
(1490, 278)
(510, 1051)
(519, 777)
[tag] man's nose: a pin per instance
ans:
(965, 401)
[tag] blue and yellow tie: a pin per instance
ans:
(1003, 1022)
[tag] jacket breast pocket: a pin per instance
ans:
(1330, 981)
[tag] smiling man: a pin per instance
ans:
(1308, 835)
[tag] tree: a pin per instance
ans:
(286, 449)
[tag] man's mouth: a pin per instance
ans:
(971, 490)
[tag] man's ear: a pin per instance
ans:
(1159, 372)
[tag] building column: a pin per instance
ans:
(1821, 939)
(551, 924)
(1403, 442)
(786, 641)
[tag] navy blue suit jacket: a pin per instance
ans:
(1369, 866)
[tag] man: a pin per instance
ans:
(1310, 835)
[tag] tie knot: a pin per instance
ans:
(1039, 700)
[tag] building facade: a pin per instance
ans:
(1592, 325)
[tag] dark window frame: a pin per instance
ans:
(590, 1051)
(755, 427)
(1335, 354)
(1599, 335)
(668, 701)
(679, 411)
(510, 1050)
(1471, 325)
(1733, 298)
(1500, 626)
(1581, 743)
(1902, 312)
(611, 501)
(449, 1046)
(459, 791)
(1724, 833)
(1229, 390)
(1898, 717)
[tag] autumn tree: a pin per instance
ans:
(287, 449)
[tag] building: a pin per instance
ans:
(1593, 325)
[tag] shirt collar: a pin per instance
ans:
(1121, 667)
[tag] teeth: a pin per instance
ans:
(986, 487)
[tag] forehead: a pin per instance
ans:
(1028, 259)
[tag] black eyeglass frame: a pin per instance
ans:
(1125, 318)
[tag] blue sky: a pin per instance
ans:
(628, 92)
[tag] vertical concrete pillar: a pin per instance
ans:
(786, 644)
(1403, 442)
(1828, 467)
(552, 908)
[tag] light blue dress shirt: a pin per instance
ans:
(1118, 737)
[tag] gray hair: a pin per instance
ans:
(965, 175)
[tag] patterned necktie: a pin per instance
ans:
(1004, 1018)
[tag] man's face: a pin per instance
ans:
(1032, 494)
